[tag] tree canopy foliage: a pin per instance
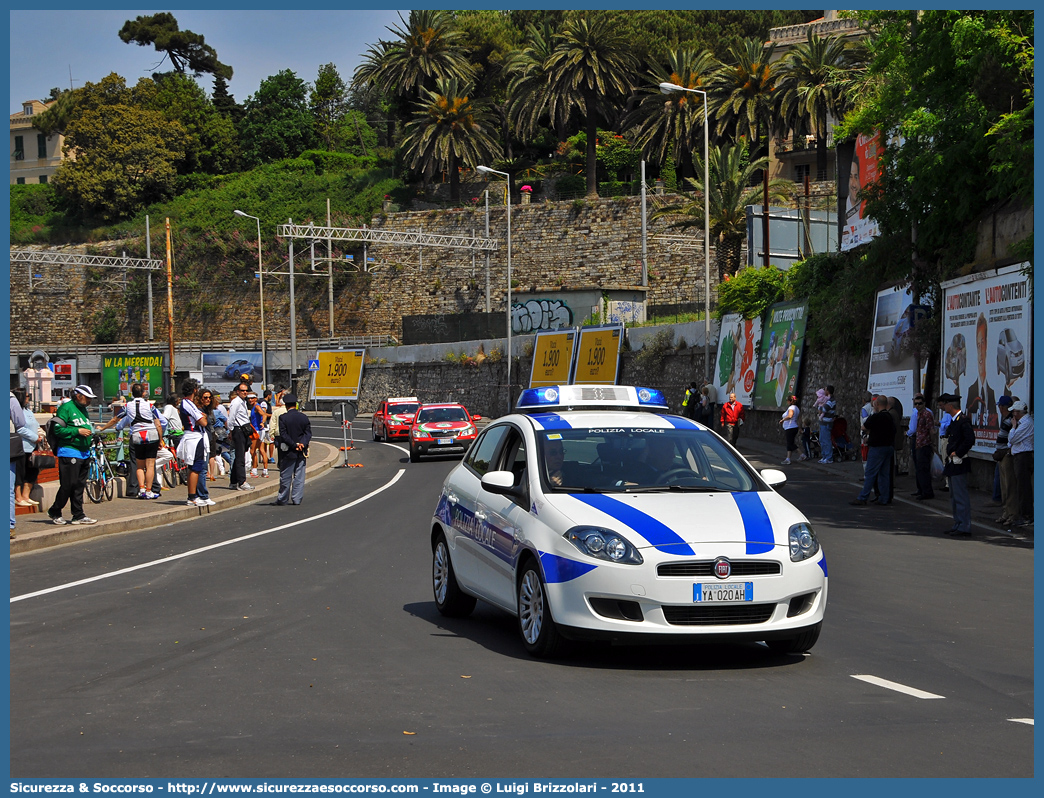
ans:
(187, 51)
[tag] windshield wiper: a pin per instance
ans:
(670, 488)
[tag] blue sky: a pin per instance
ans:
(255, 43)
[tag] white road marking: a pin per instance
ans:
(899, 688)
(213, 546)
(395, 446)
(1027, 721)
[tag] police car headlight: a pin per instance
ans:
(603, 544)
(803, 542)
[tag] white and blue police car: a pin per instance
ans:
(593, 513)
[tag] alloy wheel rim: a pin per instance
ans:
(530, 607)
(440, 573)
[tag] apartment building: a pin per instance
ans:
(34, 156)
(793, 157)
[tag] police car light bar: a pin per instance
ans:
(575, 397)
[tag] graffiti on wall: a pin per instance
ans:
(540, 314)
(624, 312)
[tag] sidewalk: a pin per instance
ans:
(36, 531)
(983, 510)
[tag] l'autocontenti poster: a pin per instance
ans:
(893, 361)
(779, 358)
(737, 358)
(222, 371)
(986, 328)
(119, 372)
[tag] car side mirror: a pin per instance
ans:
(774, 477)
(476, 418)
(502, 483)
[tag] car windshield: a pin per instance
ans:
(402, 409)
(633, 460)
(435, 414)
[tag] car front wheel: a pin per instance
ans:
(539, 632)
(799, 644)
(450, 600)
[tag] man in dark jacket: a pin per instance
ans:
(960, 440)
(295, 433)
(880, 430)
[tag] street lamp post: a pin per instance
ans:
(507, 177)
(670, 88)
(261, 292)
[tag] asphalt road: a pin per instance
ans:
(310, 646)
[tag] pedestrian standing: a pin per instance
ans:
(827, 414)
(194, 445)
(146, 432)
(790, 428)
(880, 430)
(74, 433)
(1021, 442)
(732, 415)
(923, 422)
(258, 419)
(239, 425)
(691, 402)
(295, 433)
(1009, 491)
(30, 436)
(710, 406)
(960, 439)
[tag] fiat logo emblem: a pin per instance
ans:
(722, 568)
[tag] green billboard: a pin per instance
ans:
(119, 372)
(779, 359)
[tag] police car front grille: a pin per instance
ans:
(733, 615)
(706, 568)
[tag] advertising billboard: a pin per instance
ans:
(64, 379)
(986, 328)
(552, 358)
(893, 361)
(779, 357)
(737, 362)
(598, 356)
(119, 372)
(859, 228)
(339, 374)
(222, 371)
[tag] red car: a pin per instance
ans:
(442, 429)
(394, 418)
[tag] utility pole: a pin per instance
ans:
(170, 311)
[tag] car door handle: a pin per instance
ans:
(452, 498)
(480, 516)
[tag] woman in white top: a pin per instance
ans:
(790, 428)
(146, 432)
(194, 448)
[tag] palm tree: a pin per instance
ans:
(808, 91)
(731, 172)
(527, 89)
(429, 47)
(588, 70)
(744, 92)
(673, 124)
(448, 128)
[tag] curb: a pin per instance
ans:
(59, 535)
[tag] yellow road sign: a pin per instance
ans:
(598, 355)
(339, 374)
(552, 358)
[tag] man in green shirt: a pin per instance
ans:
(74, 450)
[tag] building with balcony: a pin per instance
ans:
(34, 156)
(793, 157)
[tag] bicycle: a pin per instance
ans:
(101, 479)
(173, 471)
